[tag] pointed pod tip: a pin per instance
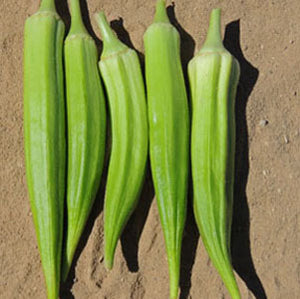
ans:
(65, 271)
(108, 264)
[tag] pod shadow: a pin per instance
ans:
(133, 230)
(240, 240)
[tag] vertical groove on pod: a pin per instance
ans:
(235, 73)
(224, 136)
(120, 142)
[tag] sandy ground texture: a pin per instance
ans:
(264, 36)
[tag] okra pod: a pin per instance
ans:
(169, 133)
(121, 72)
(44, 130)
(86, 119)
(214, 75)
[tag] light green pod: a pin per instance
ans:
(169, 133)
(44, 129)
(121, 72)
(214, 75)
(86, 130)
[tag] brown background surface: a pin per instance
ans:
(264, 36)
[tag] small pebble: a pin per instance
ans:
(286, 139)
(265, 172)
(263, 122)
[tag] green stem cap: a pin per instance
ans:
(161, 12)
(77, 25)
(47, 5)
(111, 44)
(213, 39)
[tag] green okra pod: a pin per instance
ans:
(86, 129)
(44, 129)
(214, 75)
(121, 72)
(169, 133)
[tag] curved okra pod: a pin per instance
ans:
(86, 129)
(121, 72)
(169, 133)
(44, 128)
(214, 75)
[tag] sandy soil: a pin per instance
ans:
(264, 36)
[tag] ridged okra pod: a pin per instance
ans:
(44, 129)
(169, 133)
(86, 129)
(214, 75)
(121, 72)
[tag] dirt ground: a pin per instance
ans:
(264, 36)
